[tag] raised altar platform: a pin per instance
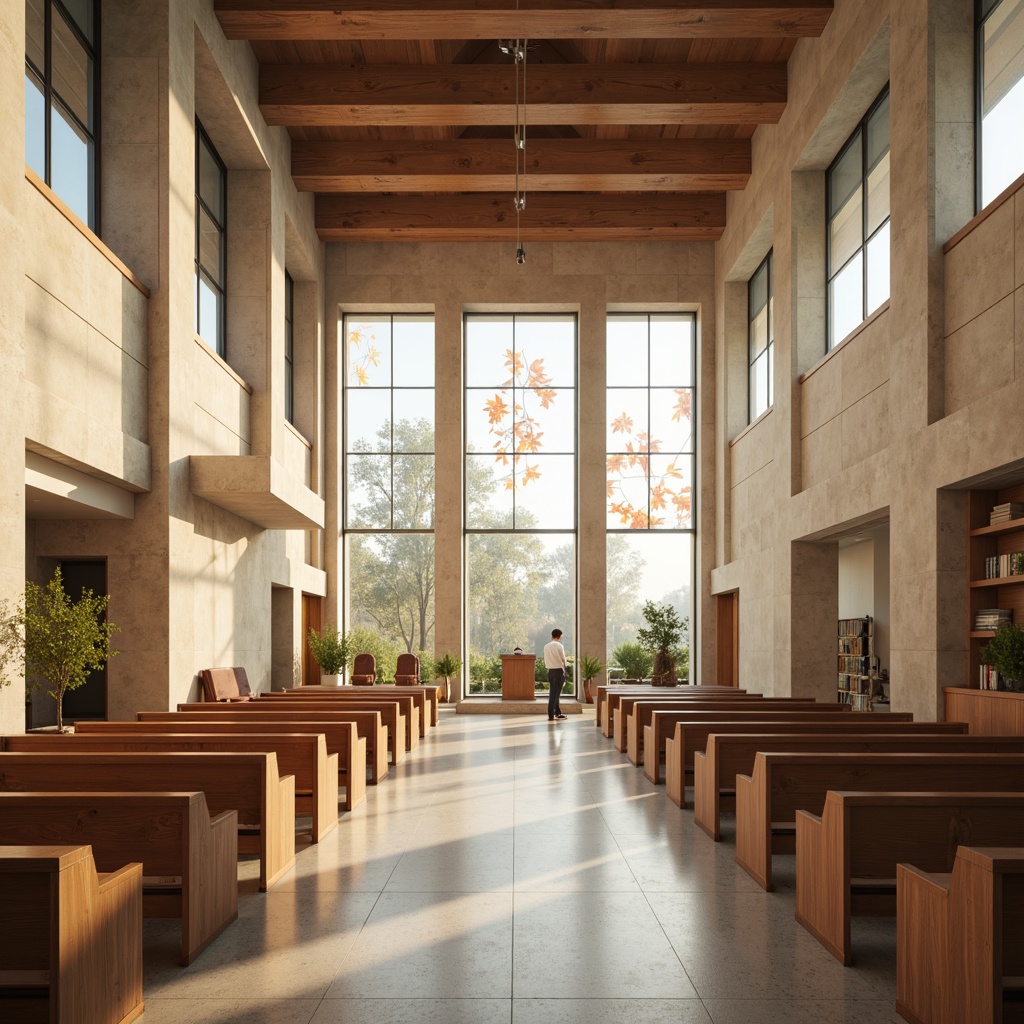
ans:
(496, 706)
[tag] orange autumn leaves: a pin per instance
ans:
(362, 354)
(516, 428)
(667, 490)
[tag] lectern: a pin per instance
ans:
(517, 676)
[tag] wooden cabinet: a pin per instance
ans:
(517, 676)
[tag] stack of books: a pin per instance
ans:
(1005, 512)
(992, 618)
(998, 566)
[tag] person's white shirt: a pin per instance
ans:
(554, 655)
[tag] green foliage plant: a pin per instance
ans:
(12, 642)
(385, 653)
(663, 633)
(634, 660)
(447, 666)
(1005, 653)
(65, 640)
(330, 648)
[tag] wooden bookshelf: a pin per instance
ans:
(987, 541)
(856, 650)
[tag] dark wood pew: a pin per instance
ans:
(431, 695)
(370, 729)
(189, 861)
(846, 858)
(390, 715)
(71, 942)
(610, 707)
(602, 690)
(303, 756)
(341, 739)
(960, 939)
(247, 783)
(635, 715)
(728, 755)
(364, 697)
(782, 784)
(664, 730)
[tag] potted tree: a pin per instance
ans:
(589, 668)
(447, 666)
(65, 640)
(1005, 653)
(664, 631)
(634, 660)
(331, 650)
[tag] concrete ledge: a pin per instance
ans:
(497, 706)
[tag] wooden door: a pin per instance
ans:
(312, 618)
(728, 638)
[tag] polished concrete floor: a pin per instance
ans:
(518, 871)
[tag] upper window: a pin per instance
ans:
(761, 337)
(857, 186)
(289, 348)
(1000, 75)
(211, 242)
(61, 100)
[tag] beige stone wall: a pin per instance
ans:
(589, 279)
(919, 402)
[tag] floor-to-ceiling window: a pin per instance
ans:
(389, 485)
(520, 487)
(650, 474)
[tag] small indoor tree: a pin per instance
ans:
(65, 640)
(663, 633)
(445, 668)
(331, 650)
(589, 668)
(1005, 653)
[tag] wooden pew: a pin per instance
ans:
(664, 730)
(303, 756)
(341, 742)
(728, 755)
(370, 730)
(71, 942)
(602, 690)
(247, 783)
(846, 858)
(960, 939)
(189, 861)
(408, 705)
(431, 693)
(613, 699)
(635, 715)
(782, 784)
(390, 715)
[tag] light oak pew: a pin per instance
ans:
(636, 715)
(622, 710)
(189, 861)
(370, 729)
(782, 784)
(390, 714)
(691, 737)
(341, 740)
(431, 694)
(71, 941)
(663, 729)
(304, 757)
(728, 755)
(334, 694)
(846, 858)
(960, 939)
(603, 689)
(610, 707)
(406, 702)
(247, 783)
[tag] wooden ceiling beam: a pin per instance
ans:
(535, 19)
(553, 165)
(475, 94)
(548, 216)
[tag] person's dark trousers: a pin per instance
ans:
(556, 677)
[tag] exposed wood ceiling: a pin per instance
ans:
(639, 112)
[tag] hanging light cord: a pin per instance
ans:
(519, 52)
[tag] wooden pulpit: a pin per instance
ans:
(517, 676)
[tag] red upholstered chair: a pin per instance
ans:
(226, 684)
(364, 670)
(408, 671)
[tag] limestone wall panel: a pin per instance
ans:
(865, 427)
(980, 268)
(980, 356)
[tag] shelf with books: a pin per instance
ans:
(856, 654)
(995, 569)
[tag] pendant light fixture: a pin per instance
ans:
(516, 48)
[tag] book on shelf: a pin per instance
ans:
(999, 566)
(1006, 512)
(988, 677)
(855, 627)
(992, 618)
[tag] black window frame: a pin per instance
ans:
(859, 133)
(219, 344)
(767, 265)
(289, 348)
(44, 79)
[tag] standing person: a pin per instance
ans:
(555, 663)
